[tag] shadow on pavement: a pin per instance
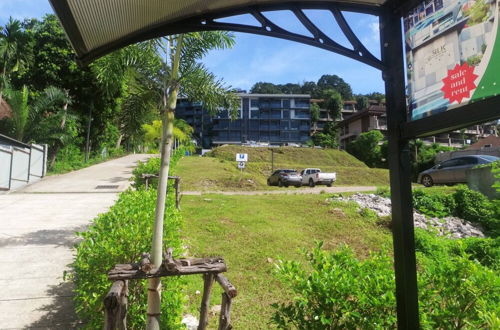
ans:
(59, 237)
(60, 313)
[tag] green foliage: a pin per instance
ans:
(433, 205)
(152, 166)
(477, 13)
(328, 81)
(332, 101)
(328, 137)
(362, 102)
(18, 101)
(336, 290)
(384, 192)
(366, 148)
(475, 207)
(423, 155)
(71, 158)
(120, 236)
(314, 110)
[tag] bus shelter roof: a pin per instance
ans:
(97, 27)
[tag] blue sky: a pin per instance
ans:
(257, 58)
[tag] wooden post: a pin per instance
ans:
(205, 300)
(116, 306)
(178, 193)
(229, 289)
(225, 312)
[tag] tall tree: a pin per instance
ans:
(332, 101)
(183, 74)
(265, 88)
(334, 82)
(367, 148)
(361, 102)
(309, 87)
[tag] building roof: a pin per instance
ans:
(5, 110)
(372, 110)
(492, 140)
(97, 27)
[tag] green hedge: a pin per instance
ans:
(120, 236)
(335, 290)
(152, 166)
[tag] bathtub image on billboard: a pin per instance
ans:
(452, 54)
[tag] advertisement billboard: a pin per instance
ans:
(452, 54)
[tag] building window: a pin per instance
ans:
(286, 103)
(254, 103)
(302, 103)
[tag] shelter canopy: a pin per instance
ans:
(96, 27)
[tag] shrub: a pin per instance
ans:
(433, 205)
(152, 166)
(120, 236)
(339, 291)
(475, 207)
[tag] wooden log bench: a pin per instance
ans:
(115, 302)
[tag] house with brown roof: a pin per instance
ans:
(489, 142)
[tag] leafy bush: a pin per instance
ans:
(475, 207)
(339, 291)
(120, 236)
(71, 158)
(433, 205)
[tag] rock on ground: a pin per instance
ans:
(449, 226)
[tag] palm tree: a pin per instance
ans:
(130, 76)
(18, 101)
(183, 75)
(47, 121)
(11, 56)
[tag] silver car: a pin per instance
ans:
(453, 170)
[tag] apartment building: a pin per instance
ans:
(278, 119)
(375, 118)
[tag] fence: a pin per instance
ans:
(20, 163)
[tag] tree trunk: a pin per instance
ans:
(119, 141)
(58, 145)
(167, 118)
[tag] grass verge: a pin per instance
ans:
(253, 232)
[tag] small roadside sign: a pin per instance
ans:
(242, 157)
(241, 164)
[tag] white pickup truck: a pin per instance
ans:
(314, 176)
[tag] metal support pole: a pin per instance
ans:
(400, 171)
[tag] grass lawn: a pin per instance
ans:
(253, 232)
(214, 174)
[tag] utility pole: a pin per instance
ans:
(272, 160)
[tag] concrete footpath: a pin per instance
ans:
(37, 233)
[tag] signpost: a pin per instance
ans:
(241, 159)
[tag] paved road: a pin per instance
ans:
(293, 191)
(37, 226)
